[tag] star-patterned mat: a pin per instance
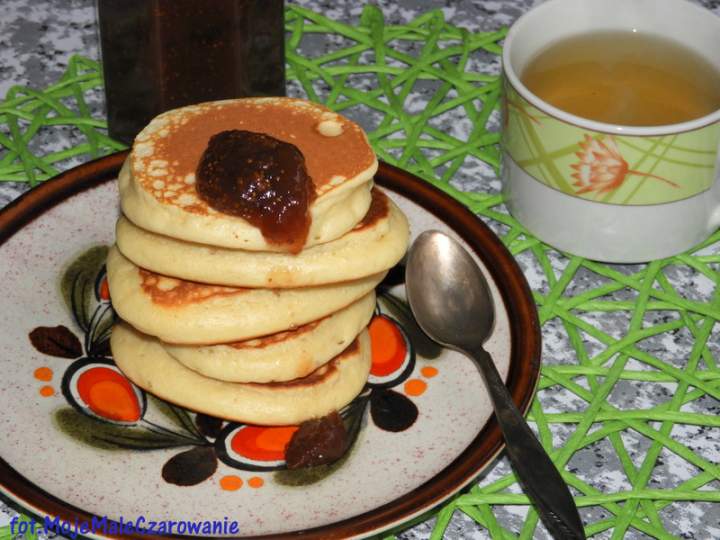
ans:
(628, 401)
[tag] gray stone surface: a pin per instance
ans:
(38, 36)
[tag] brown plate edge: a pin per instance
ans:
(522, 379)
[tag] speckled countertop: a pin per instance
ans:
(37, 37)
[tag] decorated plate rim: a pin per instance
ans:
(523, 375)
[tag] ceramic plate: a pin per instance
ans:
(80, 442)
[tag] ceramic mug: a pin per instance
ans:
(609, 192)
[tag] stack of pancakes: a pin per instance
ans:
(216, 317)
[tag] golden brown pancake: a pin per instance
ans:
(283, 356)
(383, 232)
(180, 311)
(329, 388)
(157, 182)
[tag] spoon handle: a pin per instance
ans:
(537, 473)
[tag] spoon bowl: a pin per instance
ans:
(459, 305)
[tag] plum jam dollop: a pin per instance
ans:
(260, 179)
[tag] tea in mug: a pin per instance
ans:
(626, 78)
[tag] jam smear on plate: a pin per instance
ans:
(317, 442)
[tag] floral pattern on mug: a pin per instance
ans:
(602, 168)
(612, 168)
(520, 108)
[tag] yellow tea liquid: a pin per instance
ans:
(626, 78)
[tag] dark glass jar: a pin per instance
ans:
(162, 54)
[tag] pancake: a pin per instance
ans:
(157, 181)
(332, 386)
(186, 312)
(383, 232)
(283, 356)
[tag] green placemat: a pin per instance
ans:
(613, 323)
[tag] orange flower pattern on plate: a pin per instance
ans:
(95, 388)
(388, 346)
(109, 394)
(231, 482)
(415, 387)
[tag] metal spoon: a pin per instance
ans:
(451, 302)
